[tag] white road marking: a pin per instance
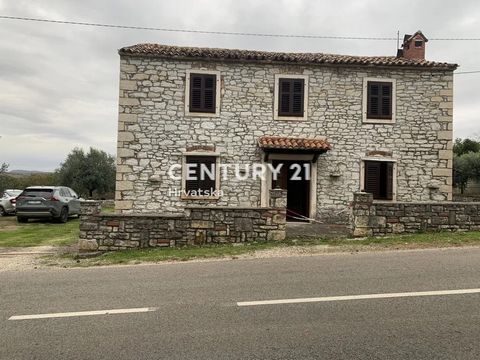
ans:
(82, 313)
(359, 297)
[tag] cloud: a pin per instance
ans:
(59, 84)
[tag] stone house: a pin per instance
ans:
(380, 124)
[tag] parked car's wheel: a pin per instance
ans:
(22, 219)
(2, 211)
(63, 215)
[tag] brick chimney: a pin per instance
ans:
(413, 46)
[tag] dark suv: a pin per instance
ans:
(54, 202)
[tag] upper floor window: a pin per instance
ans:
(291, 93)
(202, 93)
(379, 101)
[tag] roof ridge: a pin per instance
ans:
(177, 52)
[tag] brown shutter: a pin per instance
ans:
(372, 178)
(284, 97)
(209, 93)
(203, 93)
(297, 101)
(379, 100)
(386, 100)
(389, 181)
(373, 100)
(195, 92)
(291, 97)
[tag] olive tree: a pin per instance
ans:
(88, 173)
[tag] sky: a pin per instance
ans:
(59, 83)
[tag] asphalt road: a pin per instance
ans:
(197, 316)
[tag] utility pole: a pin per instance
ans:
(398, 39)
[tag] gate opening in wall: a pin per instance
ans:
(294, 176)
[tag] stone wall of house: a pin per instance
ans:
(154, 131)
(383, 218)
(197, 225)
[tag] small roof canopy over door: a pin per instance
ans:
(288, 145)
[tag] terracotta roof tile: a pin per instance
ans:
(278, 142)
(178, 52)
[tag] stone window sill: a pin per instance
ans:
(290, 118)
(211, 198)
(379, 121)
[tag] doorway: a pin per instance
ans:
(295, 177)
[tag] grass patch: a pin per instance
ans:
(40, 232)
(306, 245)
(108, 209)
(428, 238)
(36, 233)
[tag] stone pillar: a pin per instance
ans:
(278, 203)
(88, 225)
(362, 203)
(278, 198)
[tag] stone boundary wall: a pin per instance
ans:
(384, 218)
(197, 225)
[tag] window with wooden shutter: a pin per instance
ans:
(291, 97)
(379, 100)
(378, 179)
(203, 92)
(200, 181)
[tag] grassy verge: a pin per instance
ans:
(36, 233)
(296, 245)
(39, 232)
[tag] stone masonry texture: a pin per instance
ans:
(154, 131)
(382, 218)
(196, 226)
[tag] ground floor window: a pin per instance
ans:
(378, 179)
(200, 176)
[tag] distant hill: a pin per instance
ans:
(26, 172)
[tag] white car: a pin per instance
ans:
(8, 201)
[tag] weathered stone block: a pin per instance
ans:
(128, 101)
(362, 221)
(113, 223)
(442, 172)
(445, 135)
(362, 232)
(123, 185)
(377, 221)
(123, 204)
(445, 154)
(202, 224)
(362, 198)
(127, 118)
(276, 235)
(122, 152)
(128, 85)
(243, 224)
(125, 136)
(87, 245)
(398, 228)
